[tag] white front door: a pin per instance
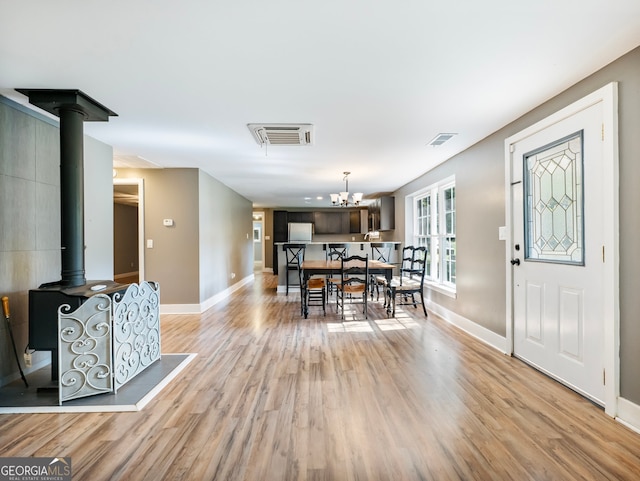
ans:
(558, 239)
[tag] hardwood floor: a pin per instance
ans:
(273, 396)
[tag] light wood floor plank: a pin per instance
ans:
(274, 396)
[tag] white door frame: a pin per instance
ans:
(140, 184)
(608, 96)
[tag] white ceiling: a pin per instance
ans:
(378, 79)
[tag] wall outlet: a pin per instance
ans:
(233, 275)
(149, 243)
(27, 359)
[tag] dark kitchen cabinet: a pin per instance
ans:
(336, 222)
(300, 216)
(354, 222)
(280, 234)
(387, 213)
(382, 214)
(280, 226)
(339, 221)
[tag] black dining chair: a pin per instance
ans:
(354, 273)
(406, 260)
(313, 292)
(380, 251)
(294, 255)
(409, 283)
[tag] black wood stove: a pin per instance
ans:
(73, 107)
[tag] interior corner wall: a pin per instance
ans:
(226, 237)
(173, 261)
(480, 210)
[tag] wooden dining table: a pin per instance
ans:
(330, 267)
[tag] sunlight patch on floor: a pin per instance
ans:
(396, 323)
(350, 326)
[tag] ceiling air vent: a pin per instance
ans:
(440, 139)
(282, 134)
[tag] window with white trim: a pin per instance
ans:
(434, 226)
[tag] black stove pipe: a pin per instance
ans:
(72, 196)
(72, 107)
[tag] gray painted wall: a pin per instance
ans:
(30, 216)
(226, 237)
(193, 260)
(173, 260)
(480, 172)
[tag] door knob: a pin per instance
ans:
(515, 262)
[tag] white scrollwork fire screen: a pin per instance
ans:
(136, 330)
(84, 349)
(107, 341)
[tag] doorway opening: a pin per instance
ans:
(258, 241)
(128, 230)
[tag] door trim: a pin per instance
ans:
(608, 97)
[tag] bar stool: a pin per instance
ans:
(335, 252)
(295, 255)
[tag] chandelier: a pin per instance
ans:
(342, 199)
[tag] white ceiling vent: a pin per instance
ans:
(440, 139)
(282, 134)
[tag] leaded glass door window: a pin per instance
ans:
(554, 202)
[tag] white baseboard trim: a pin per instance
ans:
(203, 306)
(629, 414)
(481, 333)
(180, 309)
(268, 270)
